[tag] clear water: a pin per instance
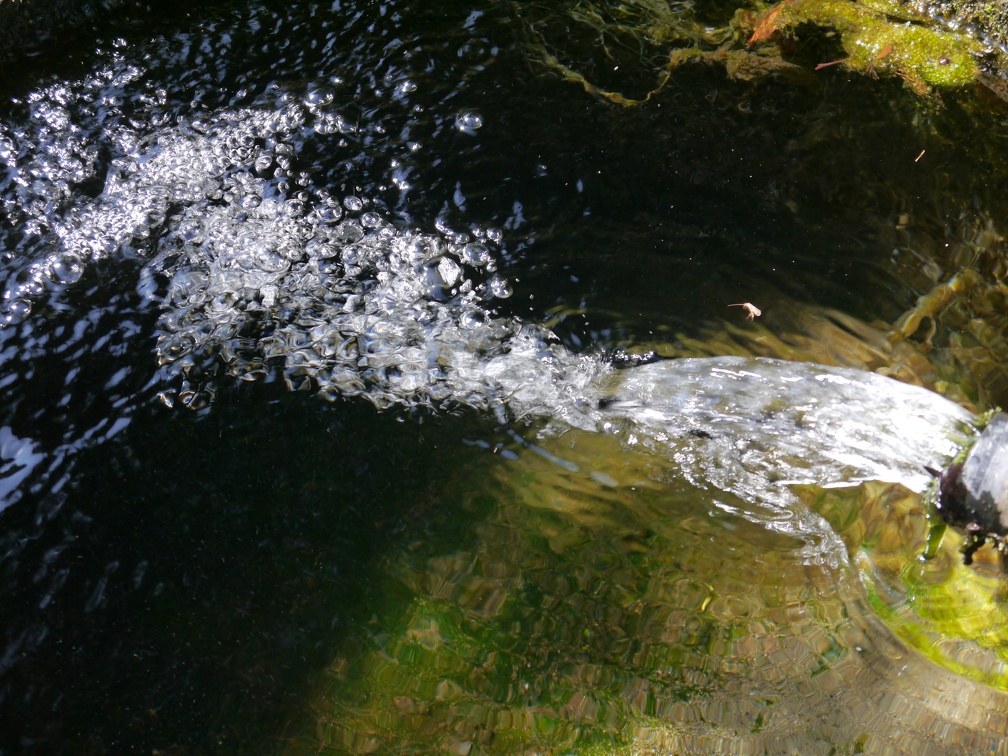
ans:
(334, 413)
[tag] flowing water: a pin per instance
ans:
(370, 385)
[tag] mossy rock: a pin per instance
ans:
(986, 19)
(881, 38)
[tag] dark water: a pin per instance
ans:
(217, 217)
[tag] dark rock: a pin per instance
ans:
(973, 496)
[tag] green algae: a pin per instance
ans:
(879, 38)
(955, 615)
(988, 19)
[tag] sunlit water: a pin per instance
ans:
(504, 530)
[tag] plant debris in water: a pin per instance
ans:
(878, 38)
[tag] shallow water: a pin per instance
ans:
(336, 413)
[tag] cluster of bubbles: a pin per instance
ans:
(257, 273)
(341, 302)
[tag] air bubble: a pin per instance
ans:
(318, 249)
(499, 288)
(13, 311)
(269, 261)
(472, 320)
(318, 98)
(191, 230)
(468, 121)
(263, 163)
(328, 213)
(67, 269)
(326, 123)
(353, 204)
(342, 125)
(290, 250)
(371, 220)
(348, 232)
(250, 202)
(476, 255)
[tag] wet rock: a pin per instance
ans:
(986, 19)
(983, 20)
(973, 495)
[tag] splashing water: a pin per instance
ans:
(342, 302)
(255, 273)
(754, 427)
(237, 262)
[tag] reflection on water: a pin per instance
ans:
(640, 618)
(511, 529)
(955, 616)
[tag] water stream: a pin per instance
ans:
(360, 393)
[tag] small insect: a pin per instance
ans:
(752, 310)
(821, 66)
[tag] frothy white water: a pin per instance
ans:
(780, 422)
(755, 427)
(257, 272)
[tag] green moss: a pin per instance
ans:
(987, 20)
(879, 39)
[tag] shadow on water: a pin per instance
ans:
(216, 563)
(639, 616)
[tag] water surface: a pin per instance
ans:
(335, 414)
